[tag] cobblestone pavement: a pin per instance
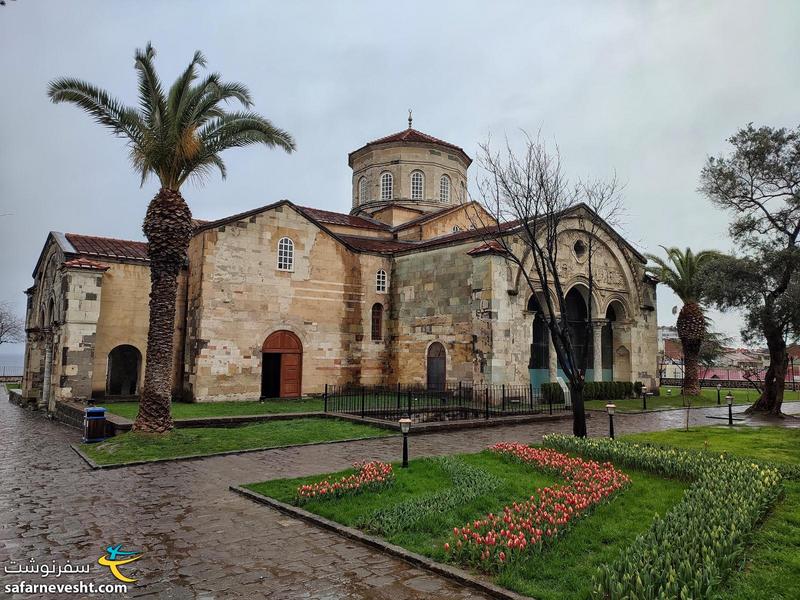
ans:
(202, 541)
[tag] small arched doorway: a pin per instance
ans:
(122, 378)
(281, 366)
(437, 367)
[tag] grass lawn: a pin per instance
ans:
(12, 386)
(772, 563)
(200, 441)
(188, 410)
(564, 570)
(708, 397)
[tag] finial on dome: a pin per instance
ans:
(410, 118)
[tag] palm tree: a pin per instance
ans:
(174, 136)
(679, 272)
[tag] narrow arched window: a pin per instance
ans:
(456, 228)
(377, 322)
(444, 189)
(285, 254)
(380, 281)
(362, 191)
(387, 186)
(417, 185)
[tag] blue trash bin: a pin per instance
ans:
(94, 424)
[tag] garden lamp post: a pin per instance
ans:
(719, 387)
(405, 426)
(610, 408)
(729, 400)
(644, 398)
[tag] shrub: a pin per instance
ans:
(637, 388)
(552, 392)
(686, 553)
(468, 482)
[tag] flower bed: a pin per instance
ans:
(468, 482)
(498, 540)
(686, 553)
(369, 476)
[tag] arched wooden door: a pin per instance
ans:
(282, 366)
(437, 367)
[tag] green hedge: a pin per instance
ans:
(592, 390)
(686, 553)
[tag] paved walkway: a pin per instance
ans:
(202, 541)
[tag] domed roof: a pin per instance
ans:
(411, 136)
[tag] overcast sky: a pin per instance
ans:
(644, 89)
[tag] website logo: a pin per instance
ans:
(115, 557)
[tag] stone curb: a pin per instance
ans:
(417, 560)
(136, 463)
(639, 411)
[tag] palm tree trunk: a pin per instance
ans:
(691, 368)
(168, 228)
(691, 327)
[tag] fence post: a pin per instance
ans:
(550, 400)
(530, 391)
(399, 399)
(409, 402)
(486, 397)
(326, 398)
(504, 398)
(362, 401)
(460, 398)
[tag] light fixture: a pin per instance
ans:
(405, 427)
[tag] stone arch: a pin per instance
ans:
(436, 366)
(620, 307)
(123, 371)
(281, 365)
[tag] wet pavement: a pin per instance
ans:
(200, 540)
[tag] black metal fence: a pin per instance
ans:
(712, 383)
(455, 402)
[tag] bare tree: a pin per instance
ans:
(527, 199)
(11, 325)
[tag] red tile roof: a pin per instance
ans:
(377, 245)
(85, 263)
(489, 247)
(413, 136)
(334, 218)
(90, 245)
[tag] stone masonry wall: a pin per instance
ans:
(237, 298)
(433, 301)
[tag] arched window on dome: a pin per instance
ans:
(417, 185)
(444, 189)
(285, 254)
(363, 191)
(456, 228)
(380, 281)
(387, 186)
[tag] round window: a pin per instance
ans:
(579, 248)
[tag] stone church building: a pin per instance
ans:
(282, 299)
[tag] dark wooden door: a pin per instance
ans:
(288, 347)
(437, 367)
(290, 375)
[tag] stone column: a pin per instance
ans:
(552, 363)
(597, 345)
(48, 369)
